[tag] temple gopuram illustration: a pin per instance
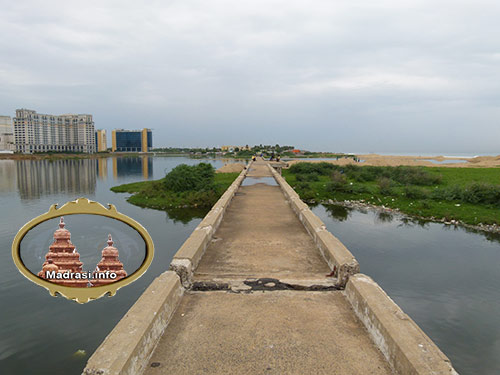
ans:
(109, 262)
(62, 258)
(63, 266)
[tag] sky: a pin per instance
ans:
(388, 76)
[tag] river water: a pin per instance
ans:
(445, 278)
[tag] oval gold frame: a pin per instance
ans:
(82, 206)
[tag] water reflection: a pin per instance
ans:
(338, 212)
(36, 178)
(185, 215)
(385, 217)
(102, 168)
(28, 311)
(445, 277)
(8, 173)
(132, 166)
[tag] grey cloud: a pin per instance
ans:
(385, 76)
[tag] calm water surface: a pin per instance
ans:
(447, 279)
(39, 334)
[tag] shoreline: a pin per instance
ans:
(359, 205)
(365, 159)
(416, 161)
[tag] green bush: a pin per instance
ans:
(190, 178)
(451, 193)
(481, 193)
(414, 176)
(337, 183)
(414, 192)
(475, 193)
(307, 177)
(321, 169)
(303, 186)
(385, 185)
(360, 189)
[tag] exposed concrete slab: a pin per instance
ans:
(277, 311)
(261, 236)
(258, 169)
(339, 259)
(407, 348)
(126, 350)
(281, 332)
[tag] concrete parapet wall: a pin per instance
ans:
(406, 347)
(339, 258)
(189, 255)
(127, 349)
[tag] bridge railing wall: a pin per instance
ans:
(339, 258)
(189, 255)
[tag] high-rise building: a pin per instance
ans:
(101, 142)
(36, 132)
(131, 140)
(6, 134)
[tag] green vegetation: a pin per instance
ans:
(312, 154)
(184, 187)
(470, 195)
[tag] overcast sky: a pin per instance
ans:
(391, 76)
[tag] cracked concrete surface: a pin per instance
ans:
(281, 332)
(260, 236)
(250, 315)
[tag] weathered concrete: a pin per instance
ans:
(406, 347)
(127, 349)
(261, 237)
(281, 332)
(338, 257)
(188, 256)
(260, 301)
(259, 309)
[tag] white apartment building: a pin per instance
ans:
(6, 134)
(36, 132)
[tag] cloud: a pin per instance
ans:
(204, 73)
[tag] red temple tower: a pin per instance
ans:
(63, 257)
(110, 263)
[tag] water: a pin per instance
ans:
(446, 278)
(259, 180)
(39, 334)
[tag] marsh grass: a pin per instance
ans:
(194, 186)
(471, 195)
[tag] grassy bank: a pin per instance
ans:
(184, 187)
(470, 195)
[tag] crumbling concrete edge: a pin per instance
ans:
(339, 258)
(129, 346)
(190, 253)
(405, 346)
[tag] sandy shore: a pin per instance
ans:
(394, 161)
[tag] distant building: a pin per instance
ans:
(131, 140)
(6, 135)
(233, 148)
(35, 132)
(101, 142)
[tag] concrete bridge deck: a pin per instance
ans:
(264, 332)
(253, 297)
